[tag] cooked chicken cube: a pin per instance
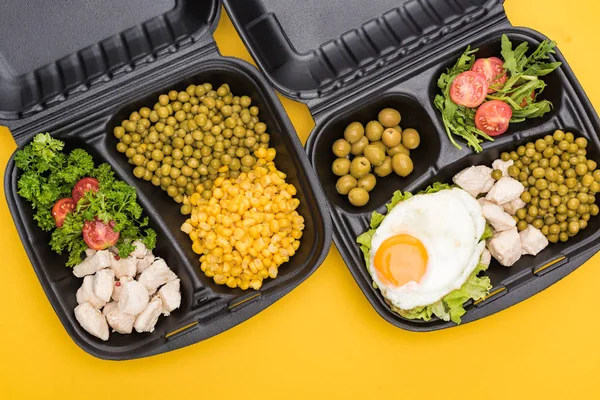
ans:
(118, 287)
(92, 320)
(85, 294)
(505, 190)
(505, 247)
(170, 296)
(89, 266)
(109, 307)
(103, 284)
(502, 166)
(133, 298)
(533, 241)
(123, 266)
(496, 216)
(482, 201)
(144, 263)
(513, 206)
(146, 321)
(89, 253)
(475, 180)
(156, 275)
(486, 258)
(120, 321)
(140, 249)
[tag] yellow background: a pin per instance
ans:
(324, 340)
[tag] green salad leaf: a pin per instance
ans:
(451, 306)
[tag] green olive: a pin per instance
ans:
(354, 132)
(522, 225)
(374, 154)
(411, 139)
(594, 210)
(385, 168)
(388, 117)
(121, 147)
(402, 164)
(573, 204)
(340, 167)
(391, 137)
(358, 197)
(398, 149)
(497, 174)
(368, 182)
(513, 171)
(345, 184)
(374, 130)
(359, 146)
(360, 167)
(379, 144)
(505, 156)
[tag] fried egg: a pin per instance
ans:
(426, 247)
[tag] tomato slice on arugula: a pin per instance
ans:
(99, 235)
(84, 185)
(60, 210)
(493, 70)
(493, 117)
(469, 89)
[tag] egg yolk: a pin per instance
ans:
(401, 259)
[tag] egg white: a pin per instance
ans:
(450, 224)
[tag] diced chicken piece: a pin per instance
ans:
(475, 180)
(85, 294)
(144, 263)
(113, 250)
(89, 266)
(513, 206)
(486, 258)
(89, 252)
(140, 249)
(502, 166)
(170, 295)
(156, 275)
(120, 321)
(505, 190)
(123, 266)
(146, 321)
(103, 284)
(496, 216)
(109, 307)
(133, 298)
(505, 247)
(118, 287)
(533, 241)
(482, 201)
(92, 320)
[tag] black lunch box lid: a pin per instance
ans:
(316, 51)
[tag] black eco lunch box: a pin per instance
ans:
(76, 69)
(348, 59)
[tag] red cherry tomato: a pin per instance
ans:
(493, 117)
(493, 70)
(99, 235)
(83, 186)
(524, 102)
(60, 210)
(469, 89)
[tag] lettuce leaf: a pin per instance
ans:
(451, 306)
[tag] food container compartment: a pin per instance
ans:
(394, 59)
(86, 120)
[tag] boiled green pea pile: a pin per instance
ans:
(560, 182)
(192, 137)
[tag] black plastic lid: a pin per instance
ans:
(313, 49)
(44, 69)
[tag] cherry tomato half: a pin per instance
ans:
(83, 186)
(60, 209)
(493, 117)
(99, 235)
(469, 89)
(493, 70)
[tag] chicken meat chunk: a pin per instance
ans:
(497, 217)
(502, 166)
(124, 266)
(133, 298)
(475, 180)
(532, 241)
(85, 294)
(170, 296)
(146, 321)
(505, 247)
(97, 261)
(120, 321)
(109, 307)
(140, 249)
(89, 252)
(513, 206)
(144, 263)
(103, 284)
(92, 320)
(486, 258)
(483, 202)
(156, 275)
(118, 287)
(505, 190)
